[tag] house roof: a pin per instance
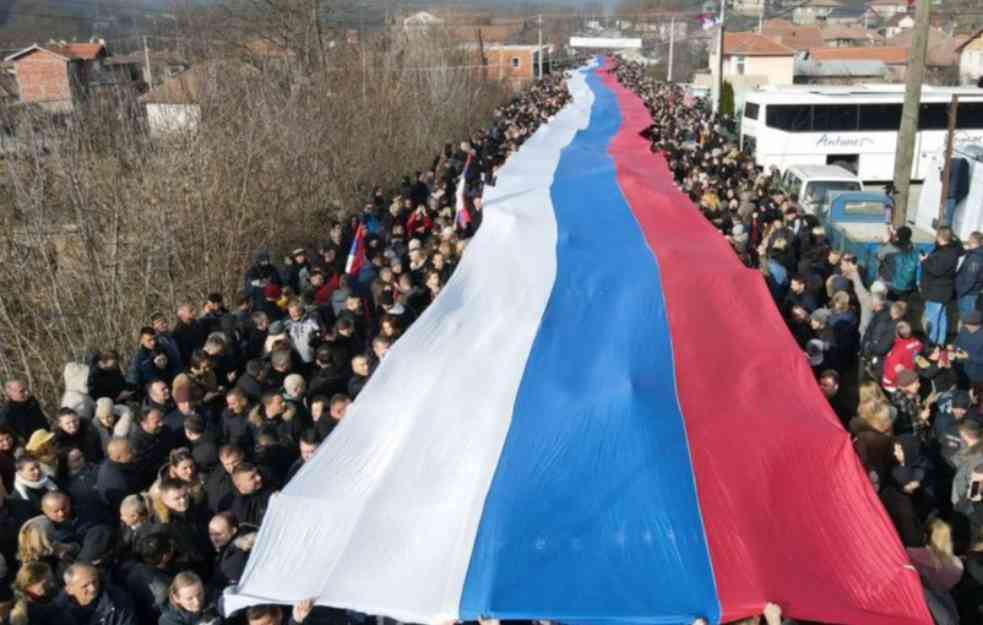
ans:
(846, 13)
(798, 38)
(822, 3)
(833, 32)
(70, 51)
(753, 44)
(888, 3)
(972, 37)
(946, 53)
(778, 24)
(889, 55)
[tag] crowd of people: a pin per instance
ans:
(899, 357)
(137, 501)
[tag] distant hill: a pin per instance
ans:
(23, 21)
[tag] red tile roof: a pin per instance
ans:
(797, 38)
(83, 51)
(887, 55)
(849, 32)
(753, 44)
(778, 24)
(71, 51)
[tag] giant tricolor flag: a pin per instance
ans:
(602, 418)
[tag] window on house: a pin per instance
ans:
(515, 61)
(739, 64)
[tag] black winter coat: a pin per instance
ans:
(24, 417)
(115, 481)
(112, 607)
(939, 273)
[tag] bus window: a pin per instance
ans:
(933, 116)
(880, 117)
(751, 110)
(792, 117)
(970, 115)
(834, 117)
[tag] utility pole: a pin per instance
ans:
(672, 43)
(761, 16)
(719, 82)
(949, 147)
(908, 132)
(146, 62)
(540, 20)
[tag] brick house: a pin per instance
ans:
(513, 63)
(57, 76)
(758, 56)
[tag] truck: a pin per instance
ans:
(815, 184)
(857, 222)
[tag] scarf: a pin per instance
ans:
(22, 485)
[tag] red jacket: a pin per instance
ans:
(901, 356)
(418, 223)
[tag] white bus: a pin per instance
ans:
(853, 126)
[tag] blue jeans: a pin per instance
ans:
(934, 321)
(967, 303)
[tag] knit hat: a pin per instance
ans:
(272, 291)
(906, 377)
